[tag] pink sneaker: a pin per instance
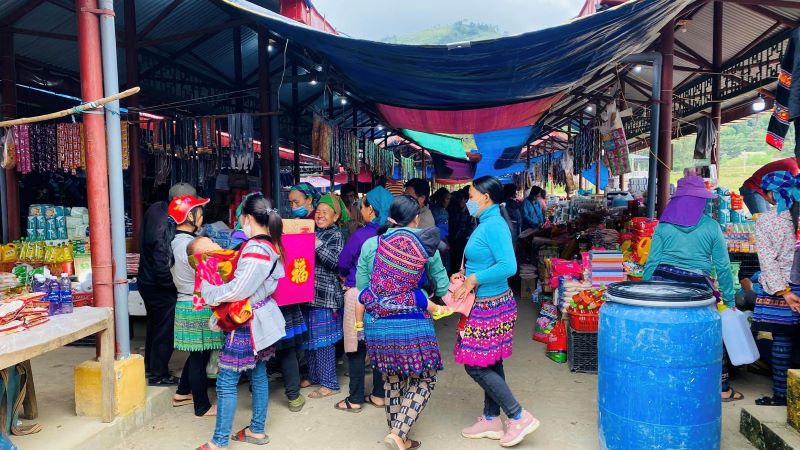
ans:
(484, 428)
(516, 430)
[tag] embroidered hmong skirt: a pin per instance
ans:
(237, 352)
(402, 346)
(192, 333)
(296, 329)
(774, 315)
(324, 327)
(489, 332)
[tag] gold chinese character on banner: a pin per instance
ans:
(299, 271)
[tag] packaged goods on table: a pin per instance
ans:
(21, 312)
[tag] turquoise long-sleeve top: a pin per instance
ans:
(693, 248)
(490, 253)
(366, 260)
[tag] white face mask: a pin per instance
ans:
(247, 230)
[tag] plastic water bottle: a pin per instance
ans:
(53, 297)
(738, 338)
(65, 293)
(39, 285)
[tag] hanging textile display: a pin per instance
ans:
(614, 143)
(240, 128)
(9, 150)
(585, 147)
(126, 155)
(69, 147)
(321, 134)
(408, 169)
(23, 148)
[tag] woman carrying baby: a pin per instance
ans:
(192, 333)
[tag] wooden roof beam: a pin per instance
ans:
(190, 34)
(158, 19)
(174, 56)
(780, 18)
(20, 12)
(695, 57)
(791, 4)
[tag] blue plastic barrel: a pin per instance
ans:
(659, 367)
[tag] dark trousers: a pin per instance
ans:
(357, 367)
(496, 393)
(160, 306)
(290, 369)
(194, 380)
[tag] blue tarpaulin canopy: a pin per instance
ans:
(487, 73)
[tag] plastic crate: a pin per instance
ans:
(586, 322)
(581, 351)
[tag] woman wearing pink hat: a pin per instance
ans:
(686, 244)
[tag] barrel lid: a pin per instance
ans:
(659, 294)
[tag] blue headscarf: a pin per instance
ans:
(309, 191)
(784, 186)
(381, 200)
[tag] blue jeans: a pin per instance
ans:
(754, 201)
(496, 393)
(227, 382)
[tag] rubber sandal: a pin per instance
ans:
(205, 446)
(391, 444)
(413, 445)
(734, 397)
(372, 402)
(441, 312)
(348, 407)
(307, 384)
(242, 436)
(318, 394)
(183, 402)
(771, 401)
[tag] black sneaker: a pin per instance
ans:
(163, 381)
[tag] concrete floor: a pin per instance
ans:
(564, 402)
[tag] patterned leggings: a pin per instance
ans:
(781, 356)
(406, 397)
(322, 367)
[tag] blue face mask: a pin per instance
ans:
(472, 208)
(300, 212)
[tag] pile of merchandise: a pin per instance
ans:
(584, 309)
(606, 267)
(22, 312)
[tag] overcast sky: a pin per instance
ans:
(377, 19)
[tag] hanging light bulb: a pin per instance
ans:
(270, 48)
(589, 108)
(637, 68)
(313, 81)
(759, 104)
(344, 100)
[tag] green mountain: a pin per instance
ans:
(446, 34)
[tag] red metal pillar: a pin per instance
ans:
(665, 124)
(8, 110)
(96, 157)
(135, 172)
(716, 80)
(264, 92)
